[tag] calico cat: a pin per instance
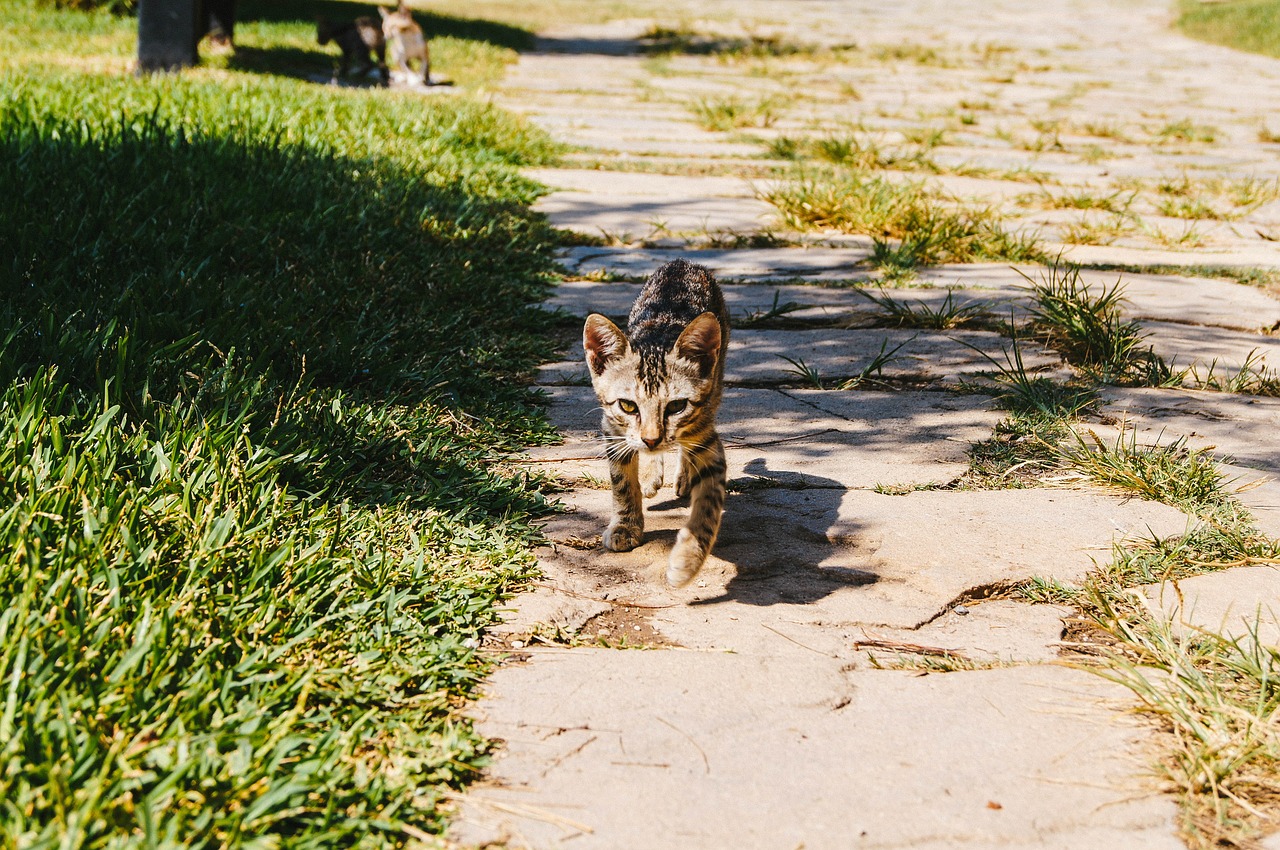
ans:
(406, 40)
(659, 386)
(356, 39)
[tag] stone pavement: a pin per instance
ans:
(757, 714)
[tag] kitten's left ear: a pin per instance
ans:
(700, 342)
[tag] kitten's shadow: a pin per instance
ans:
(778, 534)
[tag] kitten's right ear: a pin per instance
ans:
(383, 12)
(603, 341)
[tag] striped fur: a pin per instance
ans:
(659, 386)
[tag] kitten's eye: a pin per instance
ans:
(677, 406)
(628, 406)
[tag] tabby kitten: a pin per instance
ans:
(356, 39)
(659, 385)
(406, 40)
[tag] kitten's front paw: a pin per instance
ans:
(651, 477)
(622, 538)
(687, 558)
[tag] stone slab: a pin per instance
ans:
(619, 750)
(757, 357)
(803, 438)
(1239, 604)
(853, 556)
(817, 304)
(1261, 495)
(729, 264)
(1235, 427)
(1226, 350)
(612, 183)
(679, 219)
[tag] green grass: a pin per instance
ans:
(262, 343)
(731, 113)
(927, 229)
(1252, 25)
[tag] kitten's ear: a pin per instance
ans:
(700, 342)
(603, 342)
(383, 12)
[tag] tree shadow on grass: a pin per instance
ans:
(348, 309)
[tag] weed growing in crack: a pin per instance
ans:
(1188, 479)
(732, 113)
(1088, 329)
(774, 311)
(1251, 378)
(905, 314)
(1216, 700)
(871, 373)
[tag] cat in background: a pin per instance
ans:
(407, 41)
(659, 386)
(356, 39)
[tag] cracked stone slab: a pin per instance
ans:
(1239, 604)
(758, 357)
(991, 630)
(621, 749)
(806, 438)
(1202, 347)
(851, 556)
(1238, 427)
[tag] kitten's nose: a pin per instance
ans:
(651, 442)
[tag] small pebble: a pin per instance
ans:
(471, 643)
(517, 644)
(637, 628)
(961, 610)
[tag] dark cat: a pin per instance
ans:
(659, 385)
(356, 39)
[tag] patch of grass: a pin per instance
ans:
(772, 313)
(1187, 479)
(870, 374)
(1081, 199)
(929, 231)
(687, 40)
(1189, 236)
(856, 151)
(1184, 131)
(1086, 326)
(1252, 378)
(1252, 25)
(732, 113)
(919, 54)
(1216, 702)
(259, 379)
(1099, 229)
(905, 314)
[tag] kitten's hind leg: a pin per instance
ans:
(626, 529)
(706, 481)
(651, 472)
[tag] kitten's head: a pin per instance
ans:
(653, 398)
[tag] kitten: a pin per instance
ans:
(406, 40)
(356, 39)
(659, 385)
